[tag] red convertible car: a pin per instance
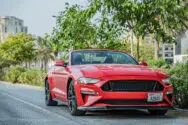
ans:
(107, 80)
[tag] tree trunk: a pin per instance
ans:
(45, 64)
(29, 64)
(156, 49)
(41, 67)
(26, 65)
(137, 49)
(55, 55)
(132, 51)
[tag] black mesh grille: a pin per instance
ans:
(132, 86)
(127, 102)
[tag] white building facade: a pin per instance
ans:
(11, 25)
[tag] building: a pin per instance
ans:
(168, 52)
(173, 52)
(11, 25)
(182, 43)
(181, 49)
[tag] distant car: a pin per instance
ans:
(107, 80)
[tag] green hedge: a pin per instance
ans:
(157, 63)
(178, 74)
(25, 76)
(13, 74)
(33, 77)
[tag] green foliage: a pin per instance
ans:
(13, 74)
(32, 77)
(74, 28)
(78, 29)
(163, 18)
(179, 76)
(157, 63)
(18, 48)
(146, 52)
(19, 74)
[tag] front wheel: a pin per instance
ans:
(48, 98)
(158, 112)
(72, 103)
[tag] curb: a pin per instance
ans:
(181, 110)
(23, 85)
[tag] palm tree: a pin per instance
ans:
(47, 49)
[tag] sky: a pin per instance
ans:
(37, 14)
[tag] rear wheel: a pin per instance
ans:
(72, 103)
(48, 97)
(158, 112)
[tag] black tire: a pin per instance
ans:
(158, 112)
(72, 102)
(48, 98)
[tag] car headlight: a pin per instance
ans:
(166, 81)
(84, 80)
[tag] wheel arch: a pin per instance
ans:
(50, 83)
(46, 78)
(68, 83)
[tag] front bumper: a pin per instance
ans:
(92, 97)
(103, 108)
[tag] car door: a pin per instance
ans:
(60, 78)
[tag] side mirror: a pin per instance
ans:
(59, 63)
(144, 64)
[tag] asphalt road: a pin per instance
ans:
(24, 105)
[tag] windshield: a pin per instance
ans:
(101, 57)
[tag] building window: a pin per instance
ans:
(5, 29)
(15, 23)
(166, 48)
(16, 30)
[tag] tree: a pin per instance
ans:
(18, 48)
(130, 14)
(51, 45)
(169, 19)
(164, 18)
(43, 52)
(78, 29)
(75, 29)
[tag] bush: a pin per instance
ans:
(157, 63)
(13, 74)
(178, 74)
(25, 76)
(33, 77)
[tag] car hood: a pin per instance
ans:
(97, 71)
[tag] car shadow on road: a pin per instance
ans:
(138, 114)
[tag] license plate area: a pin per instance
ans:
(155, 97)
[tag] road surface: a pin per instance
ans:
(24, 105)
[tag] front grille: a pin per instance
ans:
(132, 86)
(127, 102)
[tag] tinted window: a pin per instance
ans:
(101, 57)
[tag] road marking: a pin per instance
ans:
(35, 106)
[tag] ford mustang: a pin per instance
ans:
(107, 80)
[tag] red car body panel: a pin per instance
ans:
(59, 78)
